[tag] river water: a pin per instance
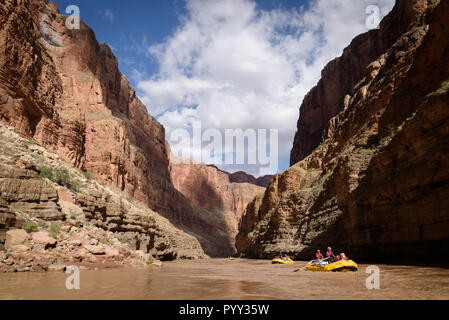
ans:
(220, 279)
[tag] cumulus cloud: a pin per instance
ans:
(232, 65)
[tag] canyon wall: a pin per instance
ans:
(63, 89)
(32, 194)
(373, 150)
(330, 96)
(243, 177)
(215, 197)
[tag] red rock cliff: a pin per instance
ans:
(64, 89)
(331, 95)
(376, 186)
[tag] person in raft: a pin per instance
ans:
(343, 256)
(280, 256)
(319, 255)
(330, 255)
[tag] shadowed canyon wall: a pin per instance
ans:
(370, 161)
(215, 196)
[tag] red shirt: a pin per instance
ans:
(319, 256)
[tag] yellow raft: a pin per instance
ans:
(342, 265)
(230, 258)
(280, 261)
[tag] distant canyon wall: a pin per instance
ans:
(214, 195)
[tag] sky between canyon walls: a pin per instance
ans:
(227, 64)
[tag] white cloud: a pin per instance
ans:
(109, 15)
(232, 65)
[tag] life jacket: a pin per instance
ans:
(330, 254)
(343, 256)
(319, 256)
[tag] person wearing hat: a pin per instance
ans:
(319, 255)
(330, 255)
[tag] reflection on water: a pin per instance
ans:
(223, 279)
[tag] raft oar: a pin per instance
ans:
(320, 261)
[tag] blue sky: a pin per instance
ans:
(229, 64)
(128, 25)
(138, 24)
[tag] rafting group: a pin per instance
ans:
(331, 263)
(282, 259)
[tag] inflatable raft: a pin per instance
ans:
(280, 261)
(230, 258)
(342, 265)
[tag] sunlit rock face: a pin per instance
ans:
(62, 88)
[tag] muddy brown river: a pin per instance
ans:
(220, 279)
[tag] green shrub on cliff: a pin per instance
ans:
(55, 228)
(30, 226)
(16, 207)
(60, 176)
(63, 178)
(88, 176)
(42, 224)
(46, 172)
(27, 143)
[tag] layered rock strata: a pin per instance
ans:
(32, 195)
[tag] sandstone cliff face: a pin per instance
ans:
(101, 126)
(215, 198)
(64, 90)
(331, 95)
(376, 187)
(29, 82)
(26, 192)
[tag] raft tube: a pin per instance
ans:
(342, 265)
(280, 261)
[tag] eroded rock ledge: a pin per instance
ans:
(83, 223)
